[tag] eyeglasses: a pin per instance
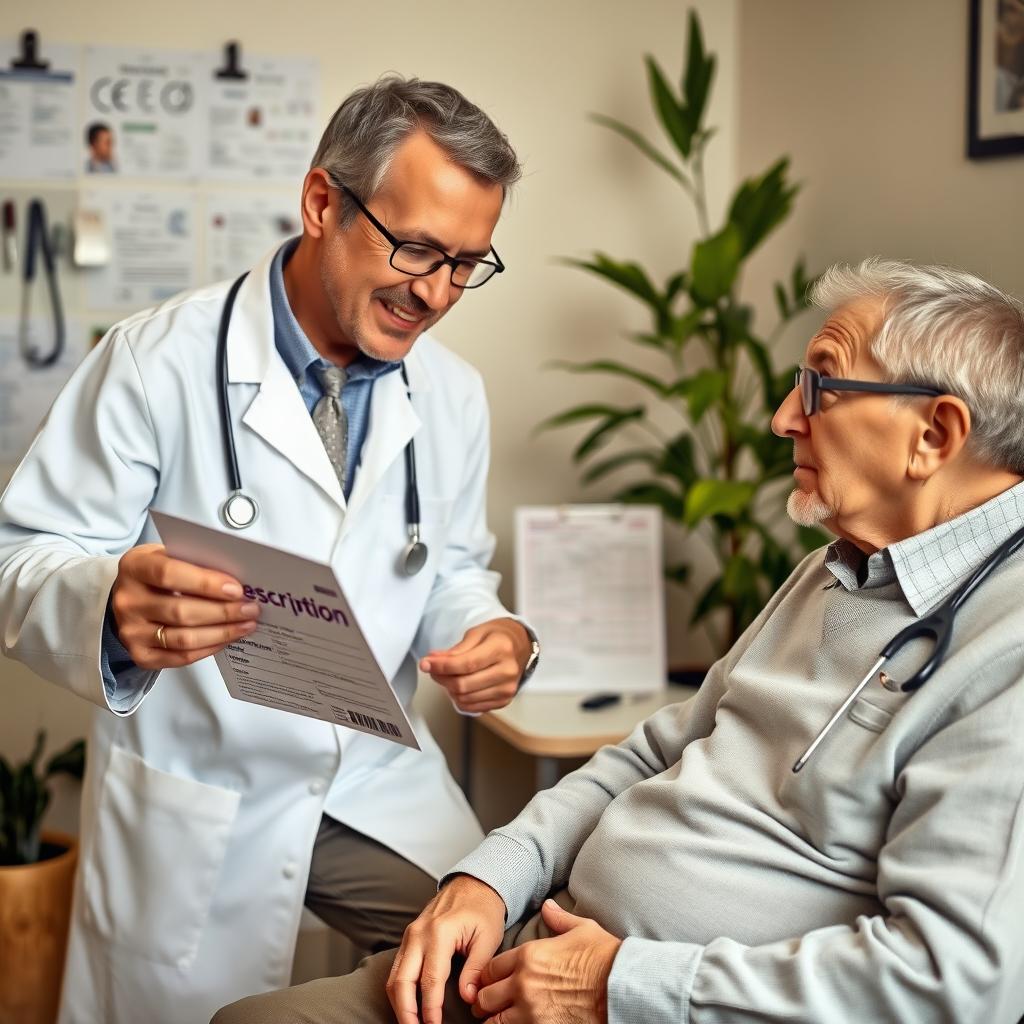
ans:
(810, 384)
(420, 259)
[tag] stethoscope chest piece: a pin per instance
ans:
(239, 511)
(414, 555)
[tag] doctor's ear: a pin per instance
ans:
(320, 201)
(943, 429)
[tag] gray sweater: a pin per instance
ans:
(884, 882)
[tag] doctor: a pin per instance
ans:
(207, 822)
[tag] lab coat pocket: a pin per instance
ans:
(155, 857)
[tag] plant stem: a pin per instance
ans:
(699, 194)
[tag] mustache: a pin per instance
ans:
(404, 298)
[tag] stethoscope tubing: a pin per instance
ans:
(937, 626)
(414, 556)
(37, 241)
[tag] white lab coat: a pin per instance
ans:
(199, 812)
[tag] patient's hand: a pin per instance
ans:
(466, 916)
(564, 978)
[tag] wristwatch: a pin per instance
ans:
(534, 658)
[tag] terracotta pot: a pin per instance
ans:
(35, 910)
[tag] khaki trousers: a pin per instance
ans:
(362, 889)
(359, 997)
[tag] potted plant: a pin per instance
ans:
(718, 472)
(37, 871)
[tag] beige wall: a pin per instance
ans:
(869, 99)
(537, 68)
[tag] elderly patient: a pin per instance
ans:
(697, 876)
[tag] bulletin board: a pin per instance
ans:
(128, 175)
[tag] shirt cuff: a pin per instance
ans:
(124, 683)
(651, 981)
(509, 869)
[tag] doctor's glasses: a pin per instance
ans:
(420, 259)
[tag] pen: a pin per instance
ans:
(599, 700)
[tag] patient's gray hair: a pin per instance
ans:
(947, 329)
(359, 143)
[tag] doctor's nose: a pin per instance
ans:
(436, 289)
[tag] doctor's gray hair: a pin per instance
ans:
(361, 139)
(950, 330)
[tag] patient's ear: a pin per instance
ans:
(942, 430)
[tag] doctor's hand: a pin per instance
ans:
(171, 613)
(466, 916)
(482, 671)
(548, 981)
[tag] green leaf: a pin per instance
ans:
(685, 327)
(776, 565)
(653, 493)
(781, 301)
(657, 341)
(711, 599)
(717, 497)
(701, 391)
(677, 573)
(734, 323)
(761, 204)
(600, 434)
(674, 285)
(802, 284)
(616, 368)
(700, 70)
(614, 462)
(579, 412)
(645, 147)
(629, 276)
(672, 115)
(742, 589)
(70, 761)
(715, 263)
(811, 538)
(774, 454)
(678, 459)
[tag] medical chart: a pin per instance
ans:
(152, 104)
(39, 135)
(263, 127)
(152, 241)
(242, 226)
(589, 581)
(27, 392)
(308, 655)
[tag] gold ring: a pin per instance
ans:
(160, 638)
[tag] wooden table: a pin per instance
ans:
(552, 726)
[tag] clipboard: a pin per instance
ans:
(589, 580)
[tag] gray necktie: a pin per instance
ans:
(330, 419)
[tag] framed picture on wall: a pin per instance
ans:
(995, 103)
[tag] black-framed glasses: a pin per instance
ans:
(419, 259)
(810, 384)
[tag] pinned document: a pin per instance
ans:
(589, 581)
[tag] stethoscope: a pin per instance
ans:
(240, 510)
(38, 241)
(937, 626)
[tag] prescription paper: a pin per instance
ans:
(308, 654)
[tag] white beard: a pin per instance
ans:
(808, 509)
